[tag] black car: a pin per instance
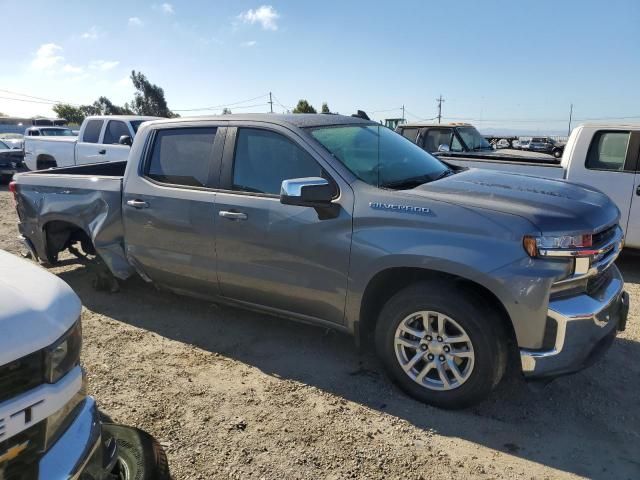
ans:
(546, 145)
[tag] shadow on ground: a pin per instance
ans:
(586, 424)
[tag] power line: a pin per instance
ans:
(32, 96)
(218, 107)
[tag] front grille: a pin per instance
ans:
(595, 283)
(21, 375)
(25, 465)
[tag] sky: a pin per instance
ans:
(501, 65)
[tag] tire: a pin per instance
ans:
(139, 455)
(480, 362)
(557, 153)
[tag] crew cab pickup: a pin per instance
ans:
(604, 156)
(101, 139)
(343, 223)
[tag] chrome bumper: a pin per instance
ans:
(81, 452)
(585, 328)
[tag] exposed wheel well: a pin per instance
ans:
(387, 283)
(45, 161)
(61, 235)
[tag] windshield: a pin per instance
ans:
(3, 145)
(56, 132)
(379, 156)
(472, 139)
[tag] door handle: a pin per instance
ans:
(137, 203)
(232, 215)
(638, 190)
(102, 152)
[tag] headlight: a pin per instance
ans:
(563, 244)
(63, 355)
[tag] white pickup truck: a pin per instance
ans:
(602, 155)
(101, 139)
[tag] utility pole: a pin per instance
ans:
(403, 120)
(570, 115)
(271, 102)
(440, 101)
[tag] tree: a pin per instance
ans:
(74, 115)
(148, 98)
(325, 108)
(226, 111)
(304, 107)
(104, 106)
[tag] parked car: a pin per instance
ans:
(49, 132)
(49, 427)
(341, 222)
(101, 139)
(601, 155)
(546, 145)
(13, 140)
(524, 144)
(10, 161)
(455, 140)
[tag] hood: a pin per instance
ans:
(553, 206)
(36, 307)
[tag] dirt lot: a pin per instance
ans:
(233, 394)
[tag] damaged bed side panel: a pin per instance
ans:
(90, 203)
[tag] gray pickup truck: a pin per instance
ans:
(450, 272)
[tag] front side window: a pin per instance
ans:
(379, 156)
(182, 156)
(115, 129)
(473, 140)
(608, 151)
(436, 137)
(92, 131)
(263, 159)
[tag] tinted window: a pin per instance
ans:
(263, 159)
(608, 151)
(34, 133)
(435, 138)
(410, 133)
(115, 129)
(92, 131)
(135, 124)
(182, 156)
(456, 146)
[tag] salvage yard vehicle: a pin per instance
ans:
(49, 427)
(605, 156)
(101, 139)
(10, 161)
(341, 222)
(48, 132)
(546, 145)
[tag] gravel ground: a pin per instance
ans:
(232, 394)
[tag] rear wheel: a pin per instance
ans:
(442, 349)
(139, 456)
(557, 153)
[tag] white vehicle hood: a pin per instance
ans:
(36, 307)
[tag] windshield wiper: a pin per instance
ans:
(412, 182)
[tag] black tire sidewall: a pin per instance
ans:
(471, 314)
(144, 457)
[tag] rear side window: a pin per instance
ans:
(410, 133)
(182, 156)
(92, 131)
(115, 129)
(436, 137)
(263, 159)
(608, 151)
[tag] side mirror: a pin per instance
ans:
(443, 148)
(125, 140)
(313, 192)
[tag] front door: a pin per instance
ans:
(169, 209)
(113, 150)
(282, 257)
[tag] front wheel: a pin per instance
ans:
(139, 456)
(557, 153)
(441, 344)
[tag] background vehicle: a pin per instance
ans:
(458, 140)
(13, 140)
(98, 141)
(341, 222)
(546, 145)
(524, 144)
(49, 132)
(10, 161)
(49, 427)
(603, 156)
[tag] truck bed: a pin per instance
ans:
(522, 165)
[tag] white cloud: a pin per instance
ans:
(124, 82)
(47, 57)
(103, 65)
(91, 34)
(250, 43)
(135, 22)
(165, 8)
(72, 69)
(265, 15)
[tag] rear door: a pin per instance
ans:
(169, 207)
(281, 257)
(609, 165)
(113, 151)
(88, 147)
(633, 222)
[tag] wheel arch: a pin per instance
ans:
(60, 234)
